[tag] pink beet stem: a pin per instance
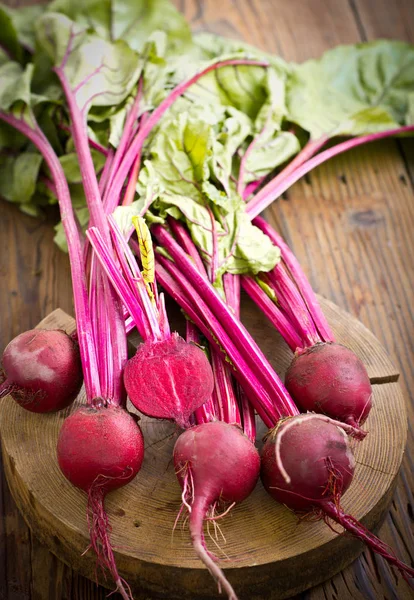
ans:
(272, 312)
(232, 290)
(237, 332)
(300, 279)
(223, 383)
(183, 237)
(110, 202)
(92, 143)
(121, 287)
(292, 303)
(80, 293)
(206, 412)
(191, 302)
(114, 324)
(132, 182)
(277, 186)
(306, 153)
(224, 389)
(103, 181)
(252, 187)
(359, 531)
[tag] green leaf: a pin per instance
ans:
(353, 90)
(136, 20)
(133, 21)
(251, 251)
(269, 152)
(70, 164)
(14, 85)
(10, 138)
(17, 28)
(149, 186)
(212, 46)
(99, 72)
(15, 92)
(123, 215)
(409, 119)
(243, 86)
(8, 35)
(60, 237)
(18, 176)
(180, 153)
(90, 14)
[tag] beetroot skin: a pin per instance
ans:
(102, 445)
(169, 379)
(43, 370)
(311, 451)
(307, 464)
(215, 463)
(101, 448)
(329, 378)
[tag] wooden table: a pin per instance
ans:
(350, 223)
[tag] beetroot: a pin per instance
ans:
(215, 464)
(169, 379)
(101, 448)
(307, 464)
(43, 370)
(298, 460)
(329, 378)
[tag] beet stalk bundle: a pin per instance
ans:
(170, 378)
(324, 377)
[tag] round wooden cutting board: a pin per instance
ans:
(265, 551)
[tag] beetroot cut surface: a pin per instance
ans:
(169, 379)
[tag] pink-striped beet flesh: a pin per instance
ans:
(169, 379)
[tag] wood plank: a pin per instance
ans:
(296, 30)
(380, 19)
(383, 19)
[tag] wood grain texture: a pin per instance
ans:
(269, 555)
(370, 272)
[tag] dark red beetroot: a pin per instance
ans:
(101, 449)
(329, 378)
(169, 379)
(215, 463)
(307, 464)
(43, 370)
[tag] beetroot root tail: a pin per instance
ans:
(353, 526)
(99, 531)
(198, 512)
